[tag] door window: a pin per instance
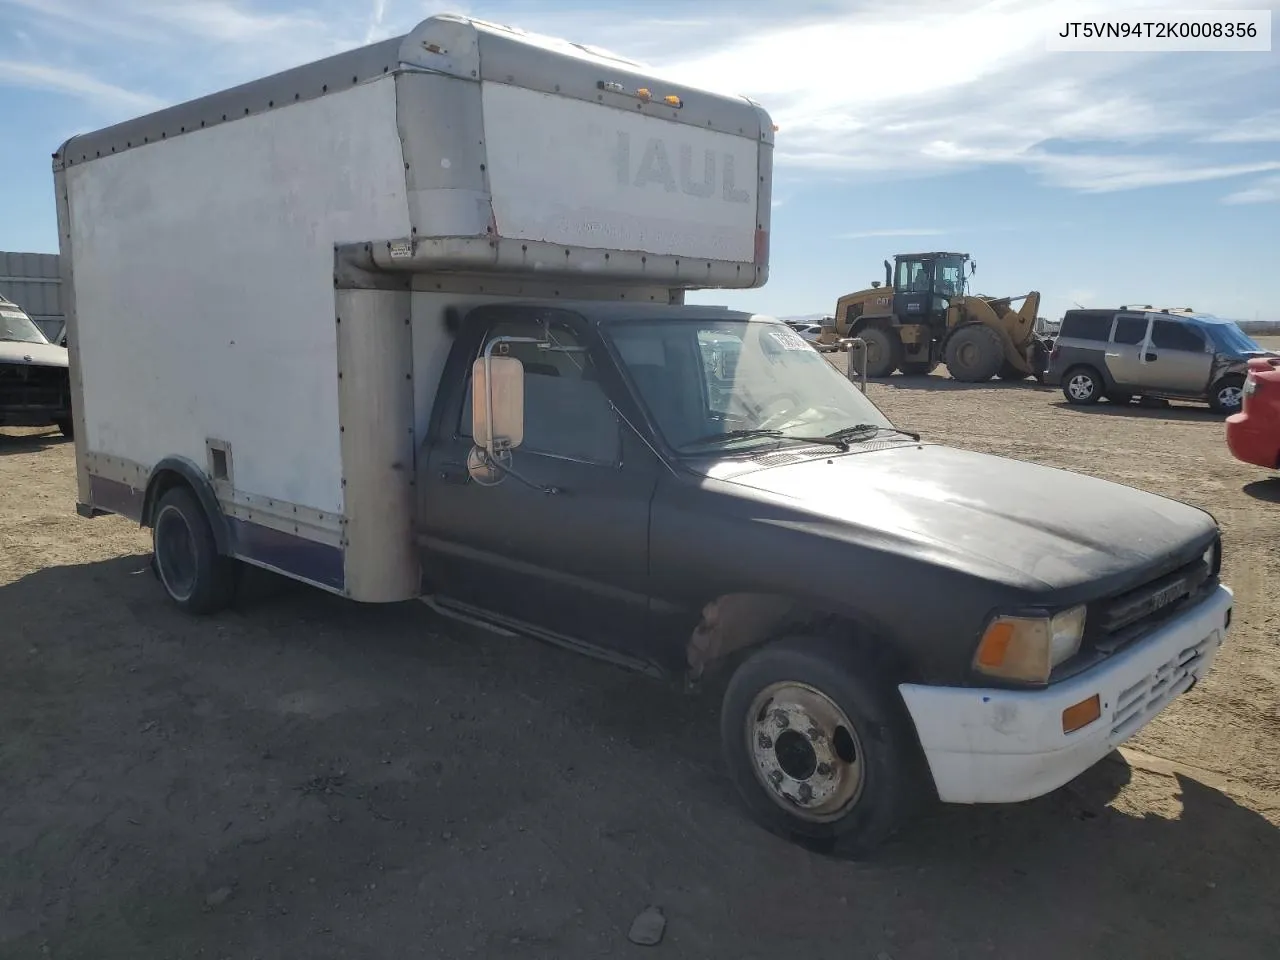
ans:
(567, 413)
(1130, 330)
(1172, 335)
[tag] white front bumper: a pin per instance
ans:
(1002, 746)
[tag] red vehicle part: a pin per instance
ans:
(1253, 434)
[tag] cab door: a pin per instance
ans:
(566, 549)
(912, 291)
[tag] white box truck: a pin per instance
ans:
(408, 322)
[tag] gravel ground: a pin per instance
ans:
(303, 777)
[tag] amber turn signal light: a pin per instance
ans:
(1081, 714)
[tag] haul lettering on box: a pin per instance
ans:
(696, 179)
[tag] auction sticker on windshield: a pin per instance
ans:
(789, 339)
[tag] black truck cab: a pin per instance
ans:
(684, 490)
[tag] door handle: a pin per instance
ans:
(1148, 357)
(454, 472)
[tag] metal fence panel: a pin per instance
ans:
(31, 281)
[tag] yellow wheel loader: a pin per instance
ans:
(928, 317)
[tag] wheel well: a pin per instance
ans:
(732, 625)
(180, 472)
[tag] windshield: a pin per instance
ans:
(1229, 338)
(948, 275)
(734, 384)
(16, 325)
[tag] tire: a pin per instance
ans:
(845, 684)
(1082, 386)
(974, 354)
(884, 351)
(918, 368)
(1226, 396)
(66, 427)
(197, 578)
(1009, 372)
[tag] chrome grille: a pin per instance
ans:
(1117, 620)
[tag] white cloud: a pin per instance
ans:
(893, 232)
(882, 92)
(1106, 174)
(872, 90)
(1266, 190)
(58, 79)
(1263, 128)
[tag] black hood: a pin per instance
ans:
(1019, 523)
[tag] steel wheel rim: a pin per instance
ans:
(1081, 386)
(175, 553)
(1230, 396)
(967, 354)
(804, 751)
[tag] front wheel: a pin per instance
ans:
(819, 746)
(974, 354)
(1227, 394)
(66, 426)
(884, 351)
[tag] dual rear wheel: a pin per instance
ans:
(194, 574)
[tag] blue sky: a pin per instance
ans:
(1096, 178)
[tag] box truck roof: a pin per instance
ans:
(521, 154)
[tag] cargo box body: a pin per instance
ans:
(208, 251)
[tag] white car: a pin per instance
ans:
(35, 382)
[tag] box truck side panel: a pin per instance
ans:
(203, 273)
(568, 171)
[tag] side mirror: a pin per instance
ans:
(497, 413)
(973, 267)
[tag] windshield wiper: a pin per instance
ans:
(841, 438)
(848, 433)
(718, 438)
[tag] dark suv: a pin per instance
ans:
(1145, 352)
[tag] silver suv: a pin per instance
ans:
(1145, 352)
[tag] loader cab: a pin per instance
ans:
(924, 285)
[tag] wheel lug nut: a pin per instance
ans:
(781, 719)
(824, 769)
(806, 793)
(775, 777)
(815, 734)
(764, 742)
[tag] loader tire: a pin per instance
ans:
(884, 351)
(974, 354)
(1008, 371)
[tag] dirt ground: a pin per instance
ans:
(304, 777)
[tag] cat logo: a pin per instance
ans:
(882, 301)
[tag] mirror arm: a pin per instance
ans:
(497, 464)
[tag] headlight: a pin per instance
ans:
(1028, 648)
(1210, 558)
